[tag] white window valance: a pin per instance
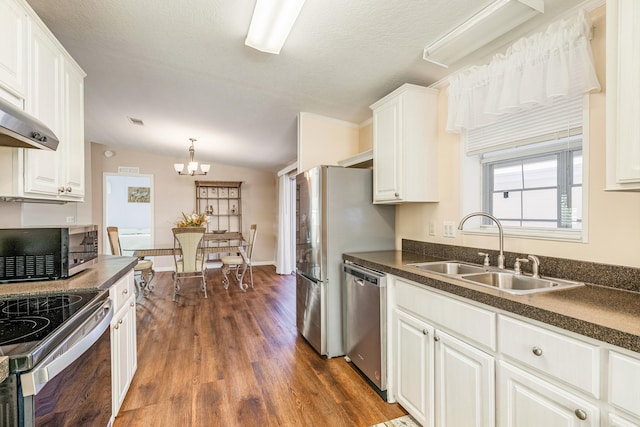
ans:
(535, 70)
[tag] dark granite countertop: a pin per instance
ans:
(603, 313)
(107, 271)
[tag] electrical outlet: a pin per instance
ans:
(449, 229)
(71, 219)
(432, 228)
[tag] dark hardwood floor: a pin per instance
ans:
(236, 359)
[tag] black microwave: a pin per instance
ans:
(50, 253)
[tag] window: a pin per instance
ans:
(535, 190)
(527, 170)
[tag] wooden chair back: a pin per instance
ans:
(114, 240)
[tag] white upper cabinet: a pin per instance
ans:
(405, 155)
(37, 74)
(13, 39)
(72, 178)
(623, 95)
(44, 103)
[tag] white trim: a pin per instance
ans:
(288, 169)
(366, 122)
(357, 159)
(554, 234)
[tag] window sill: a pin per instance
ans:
(575, 236)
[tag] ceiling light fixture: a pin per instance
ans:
(485, 26)
(192, 167)
(271, 23)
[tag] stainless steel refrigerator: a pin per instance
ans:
(334, 214)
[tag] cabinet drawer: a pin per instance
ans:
(567, 359)
(624, 382)
(121, 291)
(462, 319)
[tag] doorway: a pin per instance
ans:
(128, 205)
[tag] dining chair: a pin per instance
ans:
(189, 260)
(236, 261)
(143, 270)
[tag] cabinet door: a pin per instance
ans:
(525, 400)
(73, 165)
(624, 382)
(123, 353)
(414, 383)
(387, 147)
(623, 95)
(129, 326)
(13, 49)
(42, 168)
(616, 420)
(465, 388)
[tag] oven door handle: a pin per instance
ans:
(87, 334)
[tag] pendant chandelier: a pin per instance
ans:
(192, 167)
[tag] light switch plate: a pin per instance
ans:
(449, 229)
(432, 228)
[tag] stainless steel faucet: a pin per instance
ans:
(535, 266)
(500, 232)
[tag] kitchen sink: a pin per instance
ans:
(448, 267)
(518, 284)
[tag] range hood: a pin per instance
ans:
(19, 129)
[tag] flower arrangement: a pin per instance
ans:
(193, 220)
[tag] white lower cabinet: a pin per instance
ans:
(455, 362)
(525, 400)
(124, 360)
(440, 379)
(616, 420)
(414, 366)
(464, 384)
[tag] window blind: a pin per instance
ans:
(560, 119)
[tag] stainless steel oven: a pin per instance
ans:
(60, 363)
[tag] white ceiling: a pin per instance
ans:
(183, 68)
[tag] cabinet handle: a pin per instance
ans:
(582, 415)
(436, 338)
(131, 304)
(425, 332)
(126, 291)
(69, 189)
(117, 326)
(61, 190)
(397, 194)
(537, 351)
(120, 322)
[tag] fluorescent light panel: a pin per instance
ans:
(487, 25)
(271, 23)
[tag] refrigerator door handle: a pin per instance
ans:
(306, 276)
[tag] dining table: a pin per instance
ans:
(214, 242)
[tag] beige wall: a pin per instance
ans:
(174, 194)
(365, 136)
(614, 217)
(324, 141)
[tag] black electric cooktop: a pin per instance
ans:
(25, 321)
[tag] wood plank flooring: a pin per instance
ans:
(236, 359)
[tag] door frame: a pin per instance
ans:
(105, 239)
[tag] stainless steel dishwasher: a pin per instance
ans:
(365, 323)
